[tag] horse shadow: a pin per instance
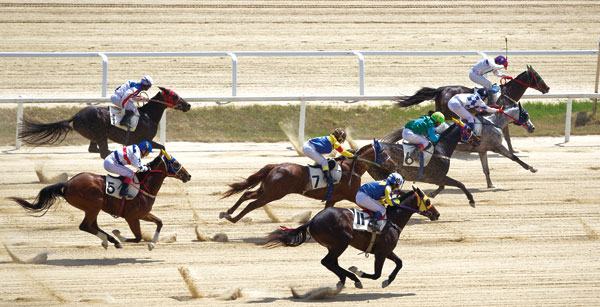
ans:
(342, 297)
(99, 262)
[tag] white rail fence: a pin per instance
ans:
(302, 99)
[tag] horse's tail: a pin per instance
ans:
(393, 136)
(249, 182)
(425, 93)
(45, 199)
(36, 133)
(289, 237)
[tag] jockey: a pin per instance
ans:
(132, 154)
(461, 102)
(485, 66)
(314, 148)
(419, 130)
(373, 195)
(126, 94)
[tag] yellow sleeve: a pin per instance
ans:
(388, 196)
(337, 146)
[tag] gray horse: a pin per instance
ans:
(491, 137)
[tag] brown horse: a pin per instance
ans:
(86, 191)
(511, 93)
(279, 180)
(332, 228)
(93, 123)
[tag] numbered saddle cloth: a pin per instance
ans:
(113, 186)
(413, 160)
(117, 114)
(361, 220)
(317, 178)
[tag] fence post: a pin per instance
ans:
(597, 78)
(301, 121)
(568, 120)
(163, 129)
(19, 122)
(104, 73)
(361, 71)
(233, 73)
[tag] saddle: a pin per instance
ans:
(116, 114)
(317, 178)
(113, 186)
(410, 159)
(361, 220)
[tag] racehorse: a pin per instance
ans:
(279, 180)
(93, 123)
(510, 93)
(86, 191)
(491, 137)
(332, 228)
(436, 171)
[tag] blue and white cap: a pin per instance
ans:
(395, 178)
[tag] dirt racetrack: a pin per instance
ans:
(531, 242)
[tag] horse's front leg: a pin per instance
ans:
(330, 261)
(379, 260)
(486, 169)
(154, 219)
(506, 134)
(505, 152)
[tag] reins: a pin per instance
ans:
(141, 183)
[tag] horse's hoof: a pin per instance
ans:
(355, 270)
(118, 245)
(385, 283)
(533, 169)
(151, 246)
(358, 285)
(472, 203)
(223, 215)
(339, 285)
(105, 244)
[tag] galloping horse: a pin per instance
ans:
(279, 180)
(491, 137)
(511, 92)
(86, 191)
(436, 171)
(332, 228)
(93, 123)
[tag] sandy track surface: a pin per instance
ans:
(531, 242)
(118, 26)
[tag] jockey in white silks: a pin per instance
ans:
(461, 103)
(128, 155)
(483, 67)
(126, 94)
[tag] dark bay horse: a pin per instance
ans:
(436, 171)
(279, 180)
(93, 123)
(86, 191)
(511, 93)
(332, 228)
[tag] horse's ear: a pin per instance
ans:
(414, 188)
(161, 88)
(162, 152)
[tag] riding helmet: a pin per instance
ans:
(438, 117)
(500, 60)
(395, 178)
(147, 81)
(339, 134)
(145, 146)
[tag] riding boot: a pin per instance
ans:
(373, 222)
(124, 186)
(125, 121)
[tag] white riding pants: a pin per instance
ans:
(111, 165)
(129, 105)
(414, 138)
(481, 80)
(455, 106)
(366, 202)
(309, 150)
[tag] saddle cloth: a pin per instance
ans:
(113, 186)
(361, 220)
(408, 150)
(317, 178)
(116, 114)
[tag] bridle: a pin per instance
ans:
(169, 170)
(168, 94)
(423, 208)
(534, 80)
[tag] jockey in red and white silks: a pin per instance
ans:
(125, 95)
(129, 155)
(461, 103)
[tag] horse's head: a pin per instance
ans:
(381, 156)
(417, 202)
(171, 99)
(523, 119)
(531, 78)
(169, 165)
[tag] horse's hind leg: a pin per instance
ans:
(246, 196)
(330, 261)
(455, 183)
(103, 147)
(250, 207)
(93, 147)
(440, 188)
(90, 224)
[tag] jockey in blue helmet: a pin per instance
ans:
(483, 67)
(125, 95)
(373, 196)
(128, 155)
